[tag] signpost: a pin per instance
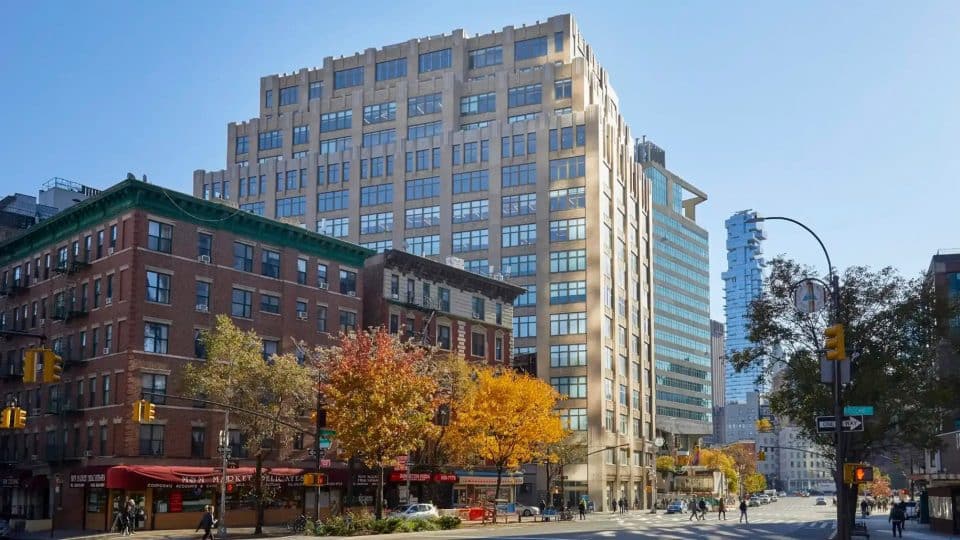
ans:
(858, 410)
(810, 297)
(828, 424)
(326, 438)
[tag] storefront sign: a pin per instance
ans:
(489, 480)
(444, 477)
(397, 476)
(365, 480)
(176, 502)
(93, 480)
(156, 476)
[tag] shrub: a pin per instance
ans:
(448, 522)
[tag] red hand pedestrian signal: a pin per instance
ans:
(862, 474)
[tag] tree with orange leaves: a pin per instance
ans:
(378, 398)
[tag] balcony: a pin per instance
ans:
(69, 311)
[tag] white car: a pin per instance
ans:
(417, 511)
(527, 511)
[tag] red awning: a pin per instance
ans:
(145, 476)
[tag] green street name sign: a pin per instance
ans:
(858, 410)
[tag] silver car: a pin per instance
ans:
(417, 511)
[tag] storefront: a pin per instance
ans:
(943, 503)
(475, 487)
(23, 495)
(436, 487)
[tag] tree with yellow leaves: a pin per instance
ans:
(754, 483)
(507, 418)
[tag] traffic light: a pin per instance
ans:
(19, 418)
(149, 411)
(52, 366)
(137, 411)
(6, 419)
(314, 479)
(862, 474)
(836, 349)
(30, 365)
(762, 455)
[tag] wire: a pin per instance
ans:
(198, 218)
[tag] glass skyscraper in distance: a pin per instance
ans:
(743, 282)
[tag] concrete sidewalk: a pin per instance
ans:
(879, 527)
(174, 534)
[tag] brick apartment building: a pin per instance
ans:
(120, 286)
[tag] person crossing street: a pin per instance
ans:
(743, 511)
(722, 510)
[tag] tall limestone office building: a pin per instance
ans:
(506, 151)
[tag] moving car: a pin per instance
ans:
(527, 511)
(764, 499)
(821, 501)
(754, 501)
(418, 511)
(676, 507)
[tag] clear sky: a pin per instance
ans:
(845, 115)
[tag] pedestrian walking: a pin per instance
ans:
(722, 510)
(743, 511)
(207, 522)
(863, 509)
(897, 516)
(543, 506)
(623, 505)
(702, 505)
(583, 509)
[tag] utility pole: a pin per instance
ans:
(225, 456)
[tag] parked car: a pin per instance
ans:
(415, 511)
(676, 507)
(821, 501)
(782, 494)
(764, 499)
(753, 501)
(527, 511)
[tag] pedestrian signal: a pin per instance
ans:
(862, 473)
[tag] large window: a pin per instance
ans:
(158, 287)
(565, 324)
(490, 56)
(269, 303)
(423, 188)
(566, 292)
(348, 282)
(316, 90)
(573, 167)
(381, 112)
(519, 205)
(375, 195)
(525, 326)
(374, 138)
(333, 200)
(333, 121)
(478, 104)
(465, 212)
(562, 88)
(242, 144)
(419, 131)
(159, 236)
(268, 140)
(435, 60)
(519, 235)
(376, 223)
(288, 95)
(154, 386)
(562, 230)
(518, 145)
(151, 440)
(519, 175)
(469, 182)
(530, 48)
(572, 387)
(348, 321)
(417, 218)
(566, 138)
(270, 263)
(391, 69)
(573, 354)
(519, 265)
(568, 261)
(202, 294)
(291, 206)
(331, 146)
(156, 337)
(346, 78)
(531, 94)
(567, 199)
(423, 245)
(475, 240)
(574, 419)
(242, 257)
(301, 134)
(428, 104)
(478, 344)
(241, 303)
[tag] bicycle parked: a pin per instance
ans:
(298, 525)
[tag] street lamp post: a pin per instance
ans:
(842, 532)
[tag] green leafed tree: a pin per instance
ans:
(278, 388)
(891, 336)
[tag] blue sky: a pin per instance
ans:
(841, 114)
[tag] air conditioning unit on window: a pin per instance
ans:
(205, 259)
(34, 457)
(351, 293)
(43, 322)
(109, 300)
(106, 350)
(323, 285)
(88, 453)
(478, 315)
(395, 296)
(202, 308)
(158, 452)
(110, 251)
(302, 315)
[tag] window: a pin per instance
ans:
(519, 205)
(490, 56)
(528, 297)
(158, 287)
(443, 337)
(427, 216)
(346, 78)
(336, 227)
(469, 182)
(563, 230)
(519, 96)
(348, 282)
(242, 257)
(159, 236)
(519, 175)
(288, 95)
(269, 140)
(572, 387)
(468, 211)
(291, 206)
(562, 89)
(519, 265)
(565, 324)
(321, 274)
(198, 442)
(154, 385)
(391, 69)
(381, 112)
(374, 138)
(270, 263)
(419, 131)
(316, 90)
(567, 199)
(568, 261)
(301, 271)
(423, 188)
(561, 169)
(301, 134)
(519, 235)
(525, 326)
(421, 105)
(333, 200)
(375, 195)
(557, 41)
(478, 344)
(470, 152)
(478, 104)
(566, 292)
(151, 440)
(574, 354)
(574, 419)
(435, 60)
(202, 293)
(423, 245)
(155, 337)
(331, 146)
(525, 117)
(269, 303)
(204, 244)
(333, 121)
(475, 240)
(241, 303)
(242, 144)
(376, 223)
(254, 208)
(348, 321)
(321, 318)
(530, 48)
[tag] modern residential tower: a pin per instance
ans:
(506, 153)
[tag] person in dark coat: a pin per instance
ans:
(207, 523)
(583, 509)
(743, 511)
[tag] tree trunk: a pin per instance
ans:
(496, 493)
(378, 504)
(258, 492)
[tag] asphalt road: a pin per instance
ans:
(790, 517)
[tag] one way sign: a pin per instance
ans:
(828, 424)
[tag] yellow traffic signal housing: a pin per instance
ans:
(835, 346)
(19, 418)
(137, 411)
(762, 455)
(6, 419)
(314, 479)
(149, 411)
(30, 365)
(52, 366)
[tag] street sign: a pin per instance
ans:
(809, 297)
(312, 452)
(862, 410)
(324, 462)
(827, 367)
(828, 424)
